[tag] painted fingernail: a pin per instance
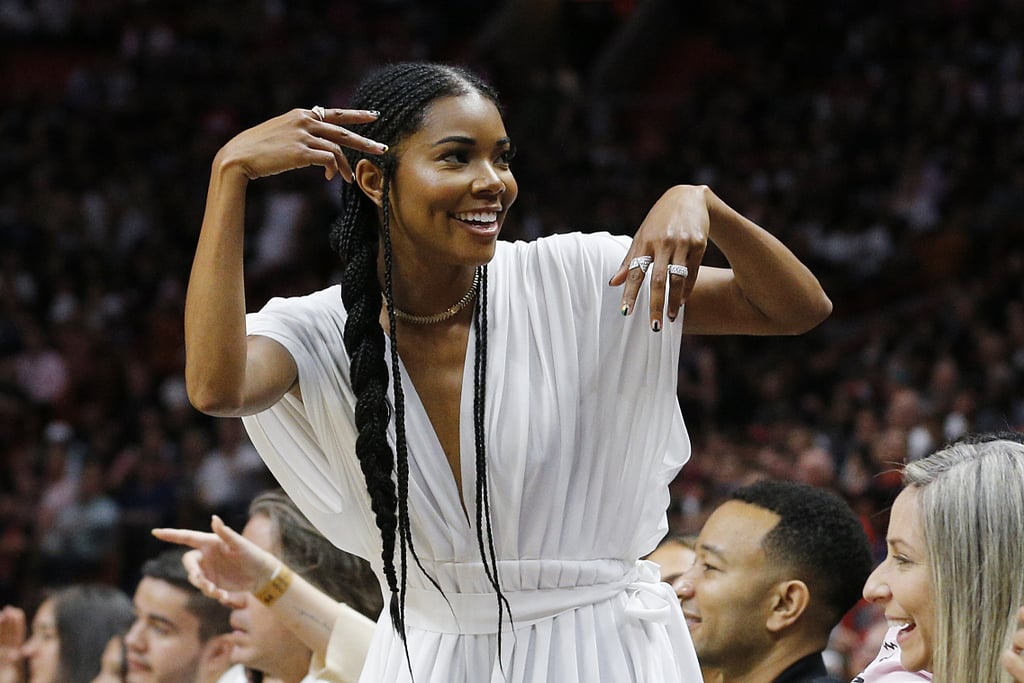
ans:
(373, 112)
(625, 309)
(671, 318)
(656, 326)
(383, 148)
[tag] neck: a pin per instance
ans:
(432, 312)
(764, 669)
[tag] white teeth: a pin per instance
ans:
(901, 623)
(478, 216)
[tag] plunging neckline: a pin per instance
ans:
(454, 505)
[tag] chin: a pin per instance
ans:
(914, 661)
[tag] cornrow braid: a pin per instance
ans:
(483, 501)
(402, 94)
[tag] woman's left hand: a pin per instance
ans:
(674, 235)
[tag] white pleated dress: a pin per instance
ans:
(583, 435)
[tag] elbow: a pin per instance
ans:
(813, 313)
(209, 400)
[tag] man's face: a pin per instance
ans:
(260, 641)
(729, 599)
(163, 643)
(674, 558)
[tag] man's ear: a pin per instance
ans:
(370, 179)
(789, 600)
(216, 652)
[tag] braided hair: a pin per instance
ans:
(401, 93)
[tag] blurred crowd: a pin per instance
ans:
(883, 142)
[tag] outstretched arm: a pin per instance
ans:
(766, 290)
(226, 566)
(227, 374)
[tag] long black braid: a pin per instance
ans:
(401, 93)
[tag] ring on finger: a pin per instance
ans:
(677, 269)
(641, 262)
(319, 112)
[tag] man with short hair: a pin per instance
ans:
(778, 565)
(262, 640)
(179, 635)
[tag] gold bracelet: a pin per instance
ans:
(273, 589)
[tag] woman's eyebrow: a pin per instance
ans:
(466, 140)
(461, 139)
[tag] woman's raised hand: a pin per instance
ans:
(224, 565)
(297, 139)
(670, 245)
(12, 637)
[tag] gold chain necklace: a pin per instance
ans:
(446, 314)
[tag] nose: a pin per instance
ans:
(684, 588)
(133, 639)
(876, 588)
(489, 182)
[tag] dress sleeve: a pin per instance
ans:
(346, 651)
(629, 433)
(309, 444)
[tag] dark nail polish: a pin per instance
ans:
(656, 326)
(625, 309)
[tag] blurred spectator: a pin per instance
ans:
(70, 630)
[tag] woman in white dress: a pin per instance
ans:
(488, 423)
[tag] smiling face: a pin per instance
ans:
(453, 186)
(902, 584)
(673, 557)
(259, 640)
(729, 597)
(42, 650)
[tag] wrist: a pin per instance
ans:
(276, 586)
(229, 168)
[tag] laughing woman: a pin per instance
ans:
(492, 424)
(953, 578)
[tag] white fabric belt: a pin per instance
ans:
(477, 613)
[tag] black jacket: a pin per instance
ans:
(810, 669)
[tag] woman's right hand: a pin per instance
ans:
(297, 139)
(12, 637)
(224, 565)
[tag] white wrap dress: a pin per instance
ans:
(583, 436)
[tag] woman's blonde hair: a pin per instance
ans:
(971, 503)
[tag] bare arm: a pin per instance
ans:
(766, 290)
(227, 374)
(225, 566)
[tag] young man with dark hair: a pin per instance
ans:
(179, 635)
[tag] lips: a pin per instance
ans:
(136, 665)
(479, 222)
(692, 620)
(906, 627)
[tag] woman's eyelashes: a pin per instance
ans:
(461, 157)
